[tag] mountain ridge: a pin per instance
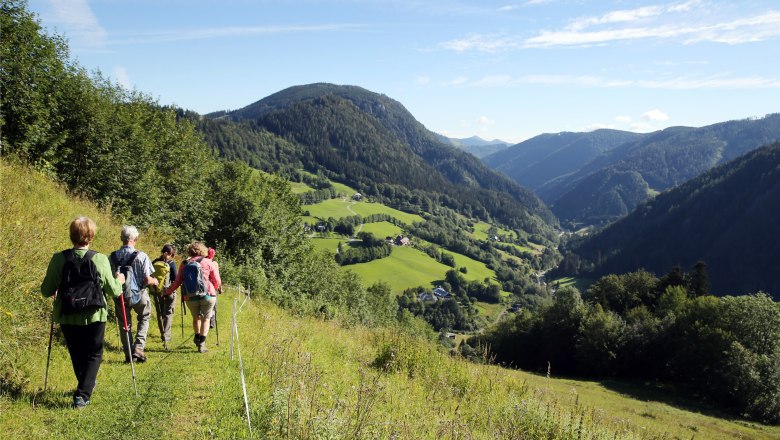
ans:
(456, 178)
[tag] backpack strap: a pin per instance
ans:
(129, 260)
(70, 255)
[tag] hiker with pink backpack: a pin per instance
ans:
(199, 279)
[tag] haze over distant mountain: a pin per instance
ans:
(475, 145)
(727, 217)
(598, 177)
(548, 157)
(613, 184)
(373, 143)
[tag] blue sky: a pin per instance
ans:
(496, 69)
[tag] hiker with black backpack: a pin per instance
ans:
(165, 273)
(83, 281)
(137, 268)
(199, 279)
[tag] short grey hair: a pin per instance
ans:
(129, 232)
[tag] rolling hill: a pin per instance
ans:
(374, 144)
(615, 182)
(548, 157)
(726, 217)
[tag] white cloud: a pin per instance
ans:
(655, 115)
(122, 77)
(616, 17)
(422, 80)
(679, 83)
(623, 119)
(492, 43)
(79, 23)
(459, 81)
(686, 22)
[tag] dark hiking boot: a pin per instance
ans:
(138, 354)
(79, 402)
(202, 346)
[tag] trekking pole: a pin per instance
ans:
(183, 312)
(51, 335)
(216, 323)
(127, 336)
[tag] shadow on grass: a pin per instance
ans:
(48, 399)
(677, 397)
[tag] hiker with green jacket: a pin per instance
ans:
(83, 280)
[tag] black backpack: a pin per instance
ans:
(80, 284)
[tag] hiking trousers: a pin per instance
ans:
(166, 305)
(143, 309)
(85, 345)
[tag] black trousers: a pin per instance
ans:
(85, 345)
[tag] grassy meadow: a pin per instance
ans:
(304, 377)
(338, 208)
(382, 229)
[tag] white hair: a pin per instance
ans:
(129, 233)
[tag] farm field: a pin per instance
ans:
(406, 267)
(300, 187)
(382, 229)
(338, 208)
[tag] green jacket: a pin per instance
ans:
(110, 285)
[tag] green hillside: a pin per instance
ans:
(305, 377)
(611, 185)
(375, 145)
(726, 218)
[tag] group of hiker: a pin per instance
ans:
(83, 281)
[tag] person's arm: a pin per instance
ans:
(177, 282)
(216, 281)
(172, 265)
(112, 287)
(148, 270)
(51, 282)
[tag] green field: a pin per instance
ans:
(300, 187)
(327, 244)
(338, 208)
(406, 267)
(481, 228)
(382, 229)
(476, 269)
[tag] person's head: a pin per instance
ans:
(197, 249)
(129, 234)
(168, 251)
(82, 231)
(211, 253)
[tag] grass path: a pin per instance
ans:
(176, 391)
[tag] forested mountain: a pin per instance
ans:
(613, 184)
(475, 145)
(551, 156)
(726, 218)
(374, 144)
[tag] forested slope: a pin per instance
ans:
(372, 143)
(657, 161)
(726, 217)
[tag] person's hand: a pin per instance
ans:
(153, 282)
(120, 277)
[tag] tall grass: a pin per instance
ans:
(34, 220)
(306, 378)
